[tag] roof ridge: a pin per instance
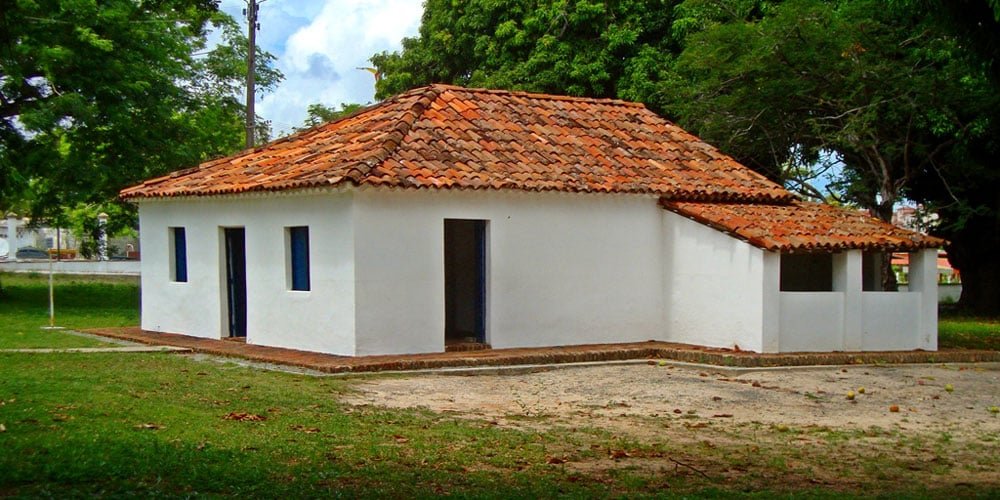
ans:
(400, 130)
(540, 95)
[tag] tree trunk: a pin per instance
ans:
(884, 212)
(973, 251)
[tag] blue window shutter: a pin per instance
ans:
(180, 255)
(299, 242)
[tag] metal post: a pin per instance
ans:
(52, 298)
(52, 301)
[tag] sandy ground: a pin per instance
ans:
(648, 394)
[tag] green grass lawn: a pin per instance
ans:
(152, 424)
(124, 425)
(968, 332)
(81, 302)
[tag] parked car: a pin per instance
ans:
(31, 253)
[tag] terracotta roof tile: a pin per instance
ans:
(802, 226)
(450, 137)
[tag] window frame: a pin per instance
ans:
(297, 263)
(178, 255)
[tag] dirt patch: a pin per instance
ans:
(690, 427)
(603, 394)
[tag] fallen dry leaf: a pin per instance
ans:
(616, 454)
(3, 428)
(240, 416)
(400, 439)
(307, 430)
(556, 460)
(894, 409)
(722, 415)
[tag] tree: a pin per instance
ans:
(576, 48)
(963, 188)
(896, 98)
(319, 114)
(98, 95)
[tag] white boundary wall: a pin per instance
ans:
(849, 319)
(98, 267)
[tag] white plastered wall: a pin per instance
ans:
(562, 269)
(713, 287)
(321, 319)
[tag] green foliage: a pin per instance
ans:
(575, 48)
(319, 114)
(875, 88)
(95, 96)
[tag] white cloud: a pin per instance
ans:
(319, 59)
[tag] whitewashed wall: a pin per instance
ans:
(812, 321)
(321, 319)
(713, 286)
(890, 321)
(563, 268)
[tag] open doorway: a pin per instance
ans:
(236, 281)
(465, 273)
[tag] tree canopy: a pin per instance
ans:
(318, 114)
(575, 48)
(97, 95)
(900, 95)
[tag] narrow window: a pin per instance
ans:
(298, 253)
(178, 255)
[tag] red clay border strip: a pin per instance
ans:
(330, 363)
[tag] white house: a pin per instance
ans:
(510, 219)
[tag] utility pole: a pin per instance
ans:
(253, 25)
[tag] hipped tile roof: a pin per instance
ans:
(449, 137)
(802, 226)
(443, 136)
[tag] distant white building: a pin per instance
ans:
(449, 215)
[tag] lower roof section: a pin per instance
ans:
(800, 226)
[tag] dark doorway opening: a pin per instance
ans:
(236, 280)
(465, 281)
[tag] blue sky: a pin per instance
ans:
(319, 44)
